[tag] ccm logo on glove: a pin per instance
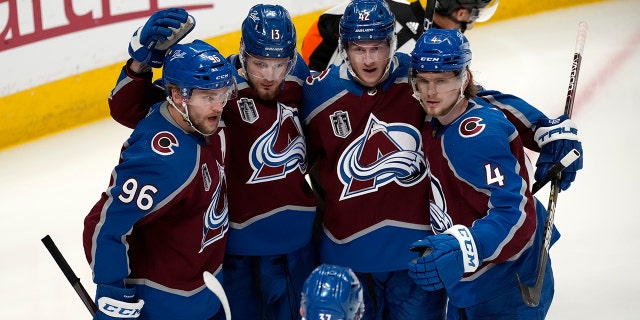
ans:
(467, 246)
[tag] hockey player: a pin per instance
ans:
(163, 220)
(320, 50)
(488, 225)
(332, 292)
(268, 251)
(368, 166)
(320, 43)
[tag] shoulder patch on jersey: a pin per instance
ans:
(471, 127)
(163, 143)
(340, 123)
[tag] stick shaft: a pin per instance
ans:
(71, 276)
(531, 295)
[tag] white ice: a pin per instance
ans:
(47, 186)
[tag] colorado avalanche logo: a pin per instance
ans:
(163, 143)
(384, 153)
(440, 219)
(216, 219)
(280, 150)
(471, 127)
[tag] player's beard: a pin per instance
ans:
(269, 95)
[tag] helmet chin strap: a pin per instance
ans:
(185, 116)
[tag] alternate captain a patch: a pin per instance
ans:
(163, 143)
(471, 127)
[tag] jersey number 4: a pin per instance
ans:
(494, 175)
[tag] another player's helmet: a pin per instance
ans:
(197, 65)
(332, 292)
(366, 20)
(481, 10)
(268, 32)
(439, 50)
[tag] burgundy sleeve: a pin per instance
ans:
(133, 95)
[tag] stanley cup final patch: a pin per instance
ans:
(248, 110)
(340, 123)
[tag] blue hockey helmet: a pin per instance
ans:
(268, 32)
(439, 50)
(197, 65)
(332, 292)
(365, 20)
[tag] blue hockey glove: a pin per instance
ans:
(445, 258)
(556, 138)
(116, 303)
(163, 29)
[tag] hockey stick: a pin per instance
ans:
(71, 276)
(531, 295)
(214, 285)
(557, 168)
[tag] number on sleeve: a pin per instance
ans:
(145, 197)
(494, 176)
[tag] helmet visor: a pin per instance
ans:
(271, 69)
(221, 95)
(370, 51)
(435, 82)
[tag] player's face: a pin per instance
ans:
(439, 94)
(267, 74)
(205, 108)
(369, 59)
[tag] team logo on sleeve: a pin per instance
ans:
(471, 127)
(440, 219)
(280, 150)
(384, 153)
(248, 110)
(216, 218)
(340, 123)
(163, 143)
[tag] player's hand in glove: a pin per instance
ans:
(444, 258)
(163, 29)
(556, 138)
(117, 303)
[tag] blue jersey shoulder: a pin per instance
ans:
(158, 154)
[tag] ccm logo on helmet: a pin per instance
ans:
(163, 143)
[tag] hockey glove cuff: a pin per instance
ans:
(117, 303)
(445, 259)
